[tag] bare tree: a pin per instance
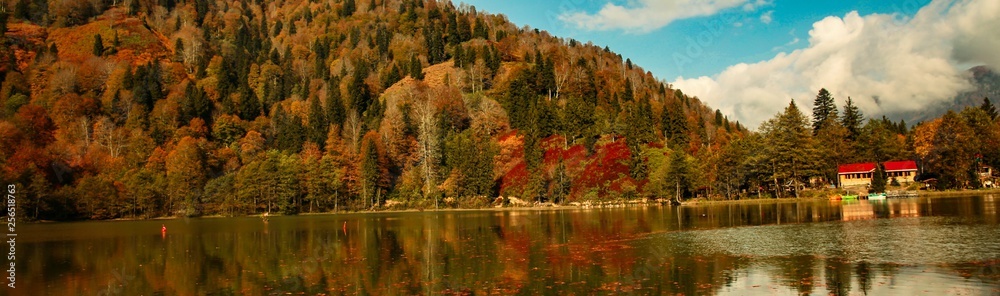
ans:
(110, 136)
(352, 128)
(428, 138)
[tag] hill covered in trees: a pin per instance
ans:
(143, 108)
(140, 108)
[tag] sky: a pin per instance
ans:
(749, 58)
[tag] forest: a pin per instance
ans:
(152, 108)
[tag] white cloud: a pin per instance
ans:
(767, 17)
(886, 63)
(643, 16)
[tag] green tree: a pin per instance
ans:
(852, 119)
(318, 125)
(195, 104)
(823, 109)
(288, 130)
(335, 113)
(952, 154)
(98, 45)
(249, 107)
(879, 142)
(832, 144)
(674, 125)
(349, 8)
(186, 177)
(679, 174)
(371, 170)
(879, 180)
(416, 68)
(179, 50)
(988, 107)
(471, 160)
(790, 148)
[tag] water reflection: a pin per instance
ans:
(941, 245)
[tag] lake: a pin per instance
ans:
(935, 246)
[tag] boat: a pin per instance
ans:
(849, 197)
(876, 196)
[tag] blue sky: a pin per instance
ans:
(749, 58)
(731, 36)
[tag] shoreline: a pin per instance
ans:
(554, 207)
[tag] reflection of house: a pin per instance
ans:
(856, 174)
(858, 211)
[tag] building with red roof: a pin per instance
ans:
(856, 174)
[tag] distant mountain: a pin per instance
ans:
(986, 83)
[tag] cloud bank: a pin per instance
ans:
(888, 64)
(643, 16)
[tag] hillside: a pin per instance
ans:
(161, 108)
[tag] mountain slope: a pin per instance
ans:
(157, 108)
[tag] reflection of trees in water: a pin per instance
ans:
(838, 276)
(562, 252)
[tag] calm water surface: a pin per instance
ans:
(932, 246)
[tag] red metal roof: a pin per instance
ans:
(868, 167)
(854, 168)
(895, 166)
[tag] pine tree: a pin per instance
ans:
(249, 107)
(480, 31)
(3, 21)
(878, 179)
(674, 125)
(289, 134)
(989, 108)
(823, 109)
(179, 50)
(98, 45)
(195, 105)
(318, 125)
(416, 68)
(679, 174)
(789, 147)
(369, 170)
(852, 120)
(349, 8)
(334, 104)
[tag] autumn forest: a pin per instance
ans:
(150, 108)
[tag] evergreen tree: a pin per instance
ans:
(195, 105)
(3, 21)
(334, 104)
(480, 30)
(318, 125)
(823, 108)
(360, 95)
(370, 171)
(179, 50)
(674, 125)
(989, 108)
(349, 8)
(789, 147)
(679, 174)
(879, 180)
(249, 107)
(391, 76)
(852, 120)
(98, 45)
(416, 68)
(289, 134)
